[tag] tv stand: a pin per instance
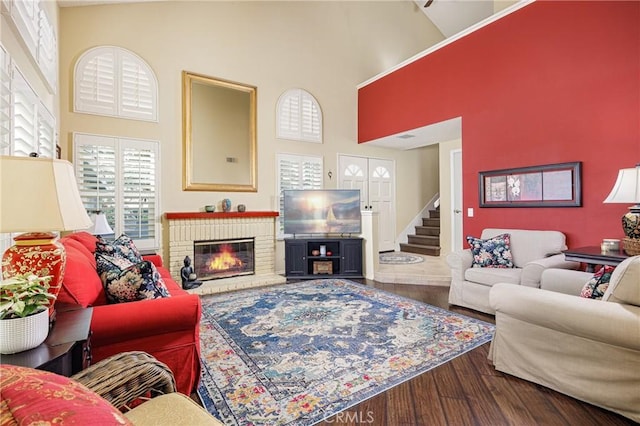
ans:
(342, 258)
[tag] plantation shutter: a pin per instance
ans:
(25, 104)
(5, 102)
(95, 167)
(115, 82)
(139, 199)
(137, 90)
(296, 172)
(48, 51)
(119, 177)
(25, 16)
(299, 117)
(95, 83)
(46, 132)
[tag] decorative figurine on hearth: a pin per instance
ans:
(189, 277)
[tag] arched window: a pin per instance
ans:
(298, 117)
(116, 82)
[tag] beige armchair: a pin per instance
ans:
(533, 252)
(586, 348)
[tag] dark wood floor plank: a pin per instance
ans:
(427, 404)
(400, 405)
(458, 412)
(447, 382)
(480, 399)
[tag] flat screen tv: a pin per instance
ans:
(335, 211)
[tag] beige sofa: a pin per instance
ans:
(586, 348)
(533, 252)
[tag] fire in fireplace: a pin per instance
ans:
(223, 258)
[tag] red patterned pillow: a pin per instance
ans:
(38, 397)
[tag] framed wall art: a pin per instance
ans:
(551, 185)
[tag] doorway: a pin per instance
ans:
(375, 178)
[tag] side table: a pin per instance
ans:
(592, 256)
(67, 349)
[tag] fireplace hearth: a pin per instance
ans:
(215, 259)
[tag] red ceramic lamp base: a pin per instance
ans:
(38, 253)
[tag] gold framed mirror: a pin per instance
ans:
(219, 134)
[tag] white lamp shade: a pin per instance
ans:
(627, 187)
(39, 195)
(100, 225)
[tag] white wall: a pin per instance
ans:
(326, 48)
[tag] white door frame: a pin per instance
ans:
(455, 158)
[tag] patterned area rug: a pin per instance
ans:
(399, 258)
(296, 354)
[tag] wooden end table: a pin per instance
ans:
(593, 255)
(67, 349)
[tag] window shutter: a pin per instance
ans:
(5, 102)
(25, 16)
(95, 167)
(296, 172)
(115, 82)
(298, 117)
(95, 83)
(46, 132)
(48, 51)
(139, 194)
(138, 94)
(24, 116)
(119, 176)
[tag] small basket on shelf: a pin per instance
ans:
(631, 246)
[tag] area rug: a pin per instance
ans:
(399, 258)
(298, 353)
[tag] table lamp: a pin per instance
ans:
(100, 224)
(627, 190)
(38, 196)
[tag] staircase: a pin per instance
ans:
(426, 240)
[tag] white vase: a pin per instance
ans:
(21, 334)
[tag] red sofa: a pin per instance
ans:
(167, 328)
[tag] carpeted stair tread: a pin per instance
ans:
(420, 249)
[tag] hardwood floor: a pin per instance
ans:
(468, 390)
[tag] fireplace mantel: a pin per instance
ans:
(218, 215)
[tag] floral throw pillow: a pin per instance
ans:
(122, 246)
(491, 253)
(598, 284)
(130, 282)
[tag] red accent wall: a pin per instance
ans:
(550, 83)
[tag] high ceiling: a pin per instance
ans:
(451, 17)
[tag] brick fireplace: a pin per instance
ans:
(187, 231)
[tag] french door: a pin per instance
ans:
(375, 178)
